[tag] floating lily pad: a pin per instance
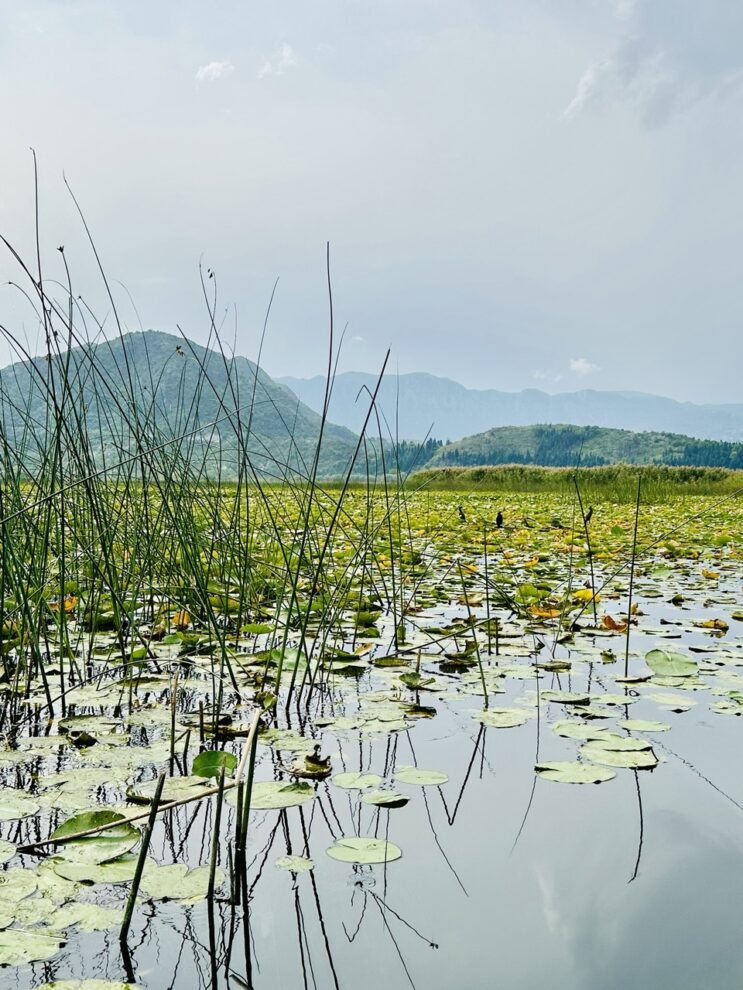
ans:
(638, 759)
(270, 795)
(673, 702)
(175, 789)
(98, 848)
(87, 917)
(177, 882)
(667, 663)
(578, 729)
(119, 870)
(15, 805)
(16, 884)
(7, 851)
(385, 799)
(356, 781)
(423, 778)
(574, 772)
(502, 718)
(643, 725)
(17, 948)
(367, 851)
(210, 763)
(297, 864)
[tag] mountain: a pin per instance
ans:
(146, 389)
(585, 446)
(423, 403)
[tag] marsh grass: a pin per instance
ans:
(615, 483)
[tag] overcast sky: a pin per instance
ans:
(518, 193)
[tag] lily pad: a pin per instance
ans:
(367, 851)
(297, 864)
(17, 948)
(177, 882)
(119, 870)
(643, 725)
(574, 772)
(423, 778)
(502, 718)
(210, 763)
(570, 728)
(16, 884)
(356, 781)
(639, 759)
(385, 799)
(667, 663)
(270, 795)
(7, 851)
(15, 805)
(87, 917)
(98, 848)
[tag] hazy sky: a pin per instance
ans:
(517, 192)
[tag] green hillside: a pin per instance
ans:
(148, 388)
(585, 446)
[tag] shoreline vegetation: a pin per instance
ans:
(614, 483)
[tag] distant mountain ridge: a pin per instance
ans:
(423, 403)
(584, 446)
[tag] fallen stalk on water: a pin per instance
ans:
(31, 847)
(132, 899)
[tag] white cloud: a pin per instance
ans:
(589, 87)
(282, 59)
(545, 376)
(582, 366)
(667, 55)
(214, 70)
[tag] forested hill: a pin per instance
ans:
(569, 446)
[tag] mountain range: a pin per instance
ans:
(417, 405)
(200, 409)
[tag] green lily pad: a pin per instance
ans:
(17, 948)
(297, 864)
(177, 882)
(619, 743)
(570, 728)
(502, 718)
(87, 917)
(210, 763)
(7, 851)
(98, 848)
(367, 851)
(269, 795)
(423, 778)
(356, 781)
(673, 702)
(175, 789)
(15, 805)
(119, 870)
(573, 772)
(639, 759)
(667, 663)
(385, 799)
(643, 725)
(16, 884)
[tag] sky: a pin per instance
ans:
(516, 193)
